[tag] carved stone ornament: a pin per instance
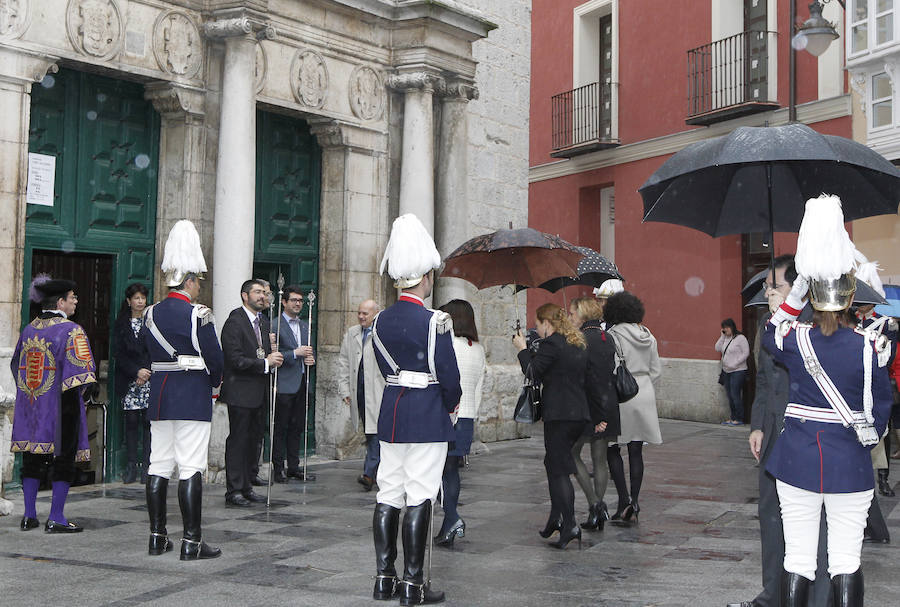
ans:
(309, 78)
(15, 17)
(95, 27)
(177, 44)
(457, 89)
(328, 133)
(262, 66)
(175, 101)
(415, 80)
(238, 26)
(366, 93)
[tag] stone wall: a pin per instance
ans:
(498, 193)
(689, 390)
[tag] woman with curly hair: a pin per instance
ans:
(559, 363)
(624, 314)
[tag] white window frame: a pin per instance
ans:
(727, 19)
(586, 51)
(871, 25)
(872, 100)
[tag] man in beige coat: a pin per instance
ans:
(361, 384)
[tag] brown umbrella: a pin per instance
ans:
(524, 257)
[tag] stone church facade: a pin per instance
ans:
(291, 132)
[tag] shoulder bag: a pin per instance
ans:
(528, 408)
(626, 385)
(722, 369)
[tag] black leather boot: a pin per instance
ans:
(794, 590)
(130, 474)
(414, 589)
(385, 525)
(157, 487)
(847, 589)
(884, 485)
(190, 498)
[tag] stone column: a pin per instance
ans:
(235, 213)
(182, 168)
(18, 70)
(451, 227)
(417, 162)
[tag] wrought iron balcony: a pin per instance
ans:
(730, 77)
(582, 120)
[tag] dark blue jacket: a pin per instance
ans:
(290, 374)
(182, 395)
(416, 415)
(818, 456)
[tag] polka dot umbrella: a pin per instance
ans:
(592, 271)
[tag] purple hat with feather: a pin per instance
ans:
(44, 287)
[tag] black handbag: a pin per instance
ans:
(626, 385)
(721, 378)
(528, 408)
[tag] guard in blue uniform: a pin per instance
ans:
(186, 366)
(414, 350)
(839, 406)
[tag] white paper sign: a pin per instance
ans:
(41, 178)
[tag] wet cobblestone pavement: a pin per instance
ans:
(696, 543)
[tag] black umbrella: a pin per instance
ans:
(593, 270)
(864, 295)
(758, 179)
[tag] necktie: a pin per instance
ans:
(256, 329)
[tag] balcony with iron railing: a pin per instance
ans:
(730, 77)
(583, 120)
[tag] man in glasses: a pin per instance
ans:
(290, 397)
(247, 345)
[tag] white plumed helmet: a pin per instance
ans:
(410, 253)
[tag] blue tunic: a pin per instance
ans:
(416, 415)
(818, 456)
(182, 395)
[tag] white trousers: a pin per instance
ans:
(845, 514)
(182, 442)
(410, 473)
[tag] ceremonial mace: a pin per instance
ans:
(311, 299)
(274, 386)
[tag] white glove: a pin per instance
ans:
(797, 296)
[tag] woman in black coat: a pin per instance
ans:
(600, 386)
(560, 364)
(132, 378)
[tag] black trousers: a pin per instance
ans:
(136, 423)
(240, 447)
(290, 423)
(61, 462)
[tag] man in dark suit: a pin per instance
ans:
(249, 359)
(290, 400)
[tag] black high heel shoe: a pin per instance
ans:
(566, 536)
(631, 512)
(595, 518)
(617, 515)
(446, 539)
(552, 526)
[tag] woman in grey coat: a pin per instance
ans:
(623, 314)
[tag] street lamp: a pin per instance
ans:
(816, 33)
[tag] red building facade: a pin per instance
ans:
(617, 88)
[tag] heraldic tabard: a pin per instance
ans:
(53, 355)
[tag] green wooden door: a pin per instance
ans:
(288, 177)
(105, 140)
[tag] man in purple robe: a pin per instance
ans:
(53, 366)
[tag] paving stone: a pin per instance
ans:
(697, 542)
